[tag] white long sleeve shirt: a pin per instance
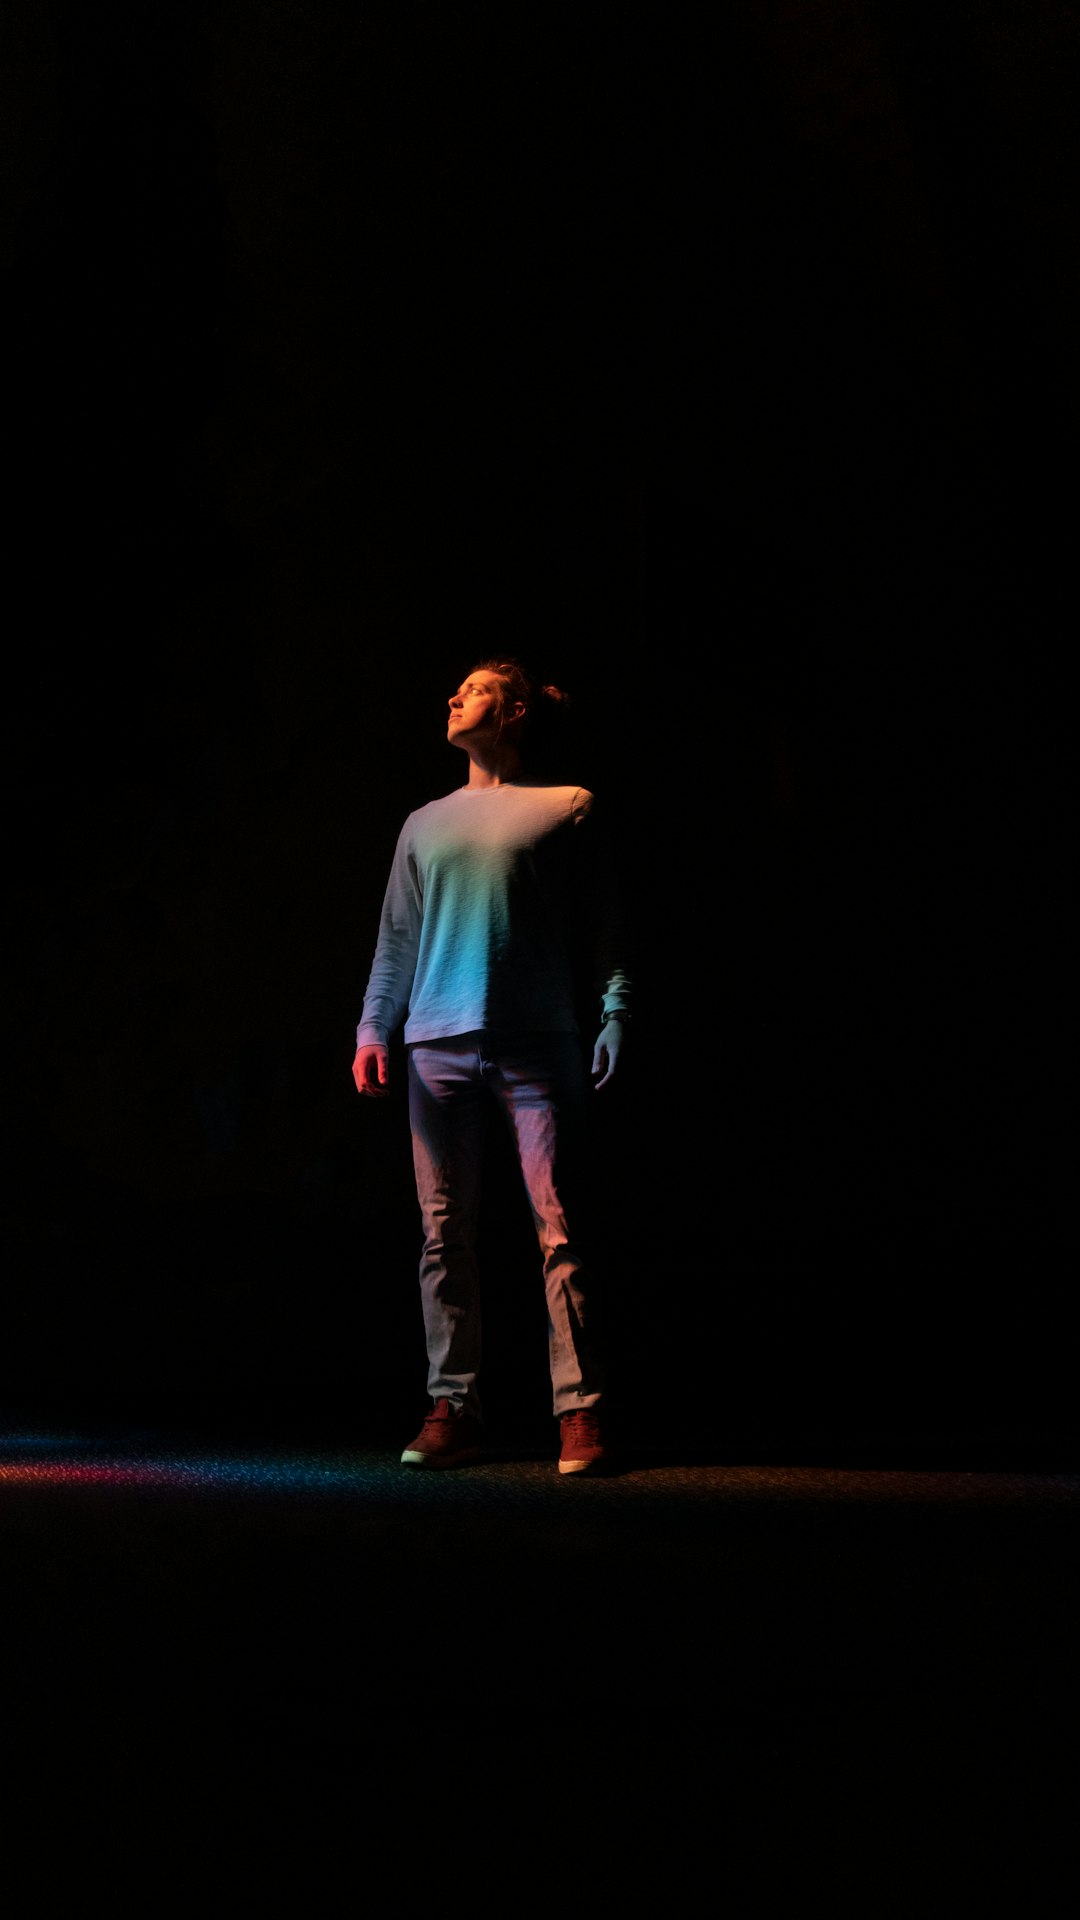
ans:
(498, 899)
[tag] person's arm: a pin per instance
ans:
(386, 998)
(601, 907)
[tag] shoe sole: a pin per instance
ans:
(411, 1458)
(580, 1466)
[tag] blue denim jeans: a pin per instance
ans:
(538, 1082)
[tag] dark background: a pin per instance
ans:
(729, 371)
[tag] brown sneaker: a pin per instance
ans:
(582, 1449)
(449, 1437)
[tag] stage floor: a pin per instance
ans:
(314, 1614)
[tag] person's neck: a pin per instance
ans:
(496, 770)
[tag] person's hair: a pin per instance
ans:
(544, 728)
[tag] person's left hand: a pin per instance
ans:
(605, 1057)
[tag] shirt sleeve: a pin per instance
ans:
(386, 997)
(601, 907)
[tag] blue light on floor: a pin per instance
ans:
(43, 1459)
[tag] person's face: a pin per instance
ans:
(474, 709)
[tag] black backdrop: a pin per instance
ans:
(730, 372)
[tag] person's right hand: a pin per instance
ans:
(371, 1069)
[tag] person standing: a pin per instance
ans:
(501, 908)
